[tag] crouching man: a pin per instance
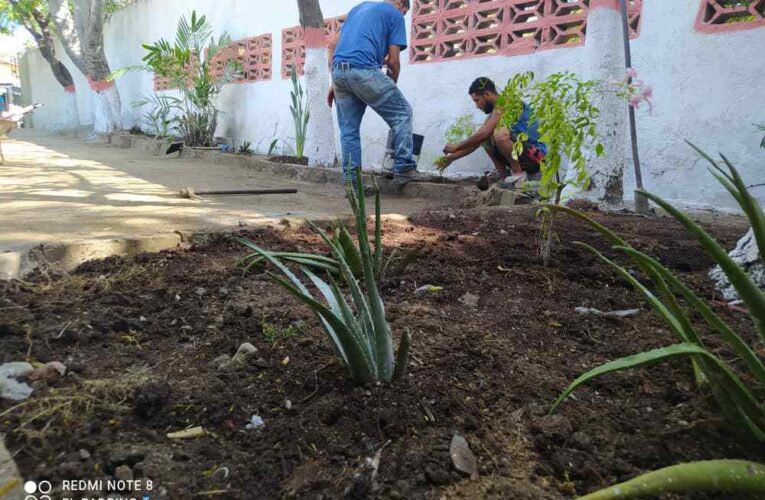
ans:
(499, 141)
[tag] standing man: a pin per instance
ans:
(499, 141)
(373, 35)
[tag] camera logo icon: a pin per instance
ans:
(33, 488)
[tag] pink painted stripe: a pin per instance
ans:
(605, 4)
(315, 38)
(99, 85)
(69, 89)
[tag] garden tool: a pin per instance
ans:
(189, 193)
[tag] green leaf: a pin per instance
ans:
(733, 477)
(747, 289)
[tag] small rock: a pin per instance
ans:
(239, 289)
(126, 457)
(10, 388)
(261, 363)
(219, 319)
(223, 291)
(221, 360)
(123, 473)
(150, 399)
(200, 291)
(256, 422)
(241, 354)
(84, 454)
(582, 441)
(463, 459)
(70, 469)
(470, 300)
(286, 360)
(288, 404)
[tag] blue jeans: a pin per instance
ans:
(355, 89)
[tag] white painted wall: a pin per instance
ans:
(708, 88)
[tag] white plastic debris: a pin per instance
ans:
(255, 423)
(610, 314)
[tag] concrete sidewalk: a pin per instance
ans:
(57, 190)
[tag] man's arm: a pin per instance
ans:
(475, 140)
(394, 62)
(332, 42)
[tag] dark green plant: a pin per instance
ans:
(272, 147)
(245, 148)
(300, 113)
(761, 128)
(739, 399)
(360, 335)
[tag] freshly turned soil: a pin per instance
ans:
(291, 160)
(141, 334)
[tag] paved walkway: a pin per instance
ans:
(57, 189)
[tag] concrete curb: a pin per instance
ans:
(11, 482)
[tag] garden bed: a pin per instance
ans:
(139, 335)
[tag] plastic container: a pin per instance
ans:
(389, 160)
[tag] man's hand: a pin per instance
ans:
(450, 149)
(443, 163)
(331, 96)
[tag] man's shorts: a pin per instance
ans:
(529, 160)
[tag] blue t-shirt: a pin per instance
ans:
(530, 129)
(371, 27)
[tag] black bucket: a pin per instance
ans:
(390, 153)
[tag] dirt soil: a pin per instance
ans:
(291, 160)
(140, 335)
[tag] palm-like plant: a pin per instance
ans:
(187, 63)
(358, 330)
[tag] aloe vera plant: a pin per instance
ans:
(740, 399)
(360, 335)
(726, 476)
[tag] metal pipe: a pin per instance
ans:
(190, 193)
(641, 203)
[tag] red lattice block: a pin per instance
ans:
(254, 56)
(717, 16)
(453, 29)
(161, 83)
(293, 45)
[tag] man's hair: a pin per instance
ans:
(482, 85)
(404, 3)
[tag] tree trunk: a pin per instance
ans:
(747, 255)
(320, 140)
(37, 23)
(604, 46)
(80, 30)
